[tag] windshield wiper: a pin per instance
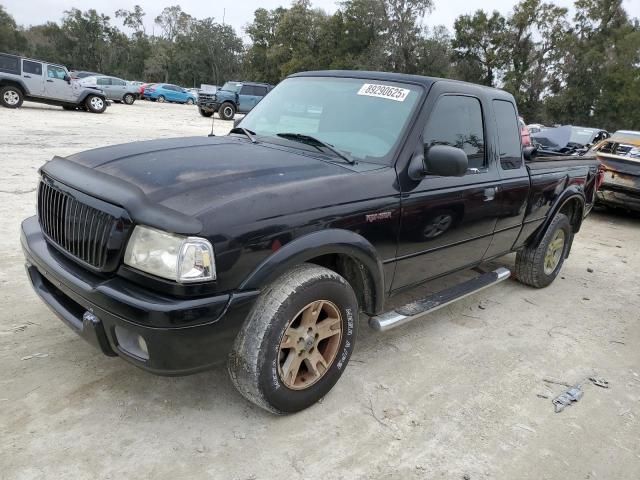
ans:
(301, 137)
(249, 134)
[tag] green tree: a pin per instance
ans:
(479, 45)
(11, 38)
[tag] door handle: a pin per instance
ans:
(490, 194)
(51, 81)
(27, 76)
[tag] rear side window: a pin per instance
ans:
(103, 81)
(33, 68)
(117, 81)
(508, 135)
(9, 64)
(457, 121)
(260, 91)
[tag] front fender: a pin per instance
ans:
(85, 93)
(325, 242)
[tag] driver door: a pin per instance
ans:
(448, 222)
(56, 86)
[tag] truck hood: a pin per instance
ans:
(198, 174)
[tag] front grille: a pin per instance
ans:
(75, 227)
(206, 97)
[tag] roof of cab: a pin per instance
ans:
(397, 77)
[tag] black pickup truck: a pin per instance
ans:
(262, 247)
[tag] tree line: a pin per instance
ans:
(581, 69)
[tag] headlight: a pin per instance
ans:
(634, 152)
(178, 258)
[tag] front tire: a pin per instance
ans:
(227, 111)
(11, 97)
(190, 101)
(539, 265)
(95, 104)
(297, 341)
(205, 113)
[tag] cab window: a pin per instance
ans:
(457, 121)
(56, 72)
(118, 82)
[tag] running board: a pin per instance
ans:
(413, 310)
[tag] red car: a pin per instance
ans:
(524, 133)
(143, 87)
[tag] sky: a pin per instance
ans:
(239, 13)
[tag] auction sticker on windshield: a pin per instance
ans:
(384, 91)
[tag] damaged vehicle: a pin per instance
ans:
(620, 157)
(261, 248)
(567, 139)
(25, 79)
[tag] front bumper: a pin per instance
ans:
(182, 335)
(211, 105)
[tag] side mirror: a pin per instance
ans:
(529, 152)
(441, 160)
(67, 78)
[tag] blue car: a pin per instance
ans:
(165, 92)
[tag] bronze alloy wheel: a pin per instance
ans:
(309, 344)
(554, 252)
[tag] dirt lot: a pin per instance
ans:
(456, 395)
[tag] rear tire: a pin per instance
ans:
(539, 265)
(11, 97)
(190, 101)
(227, 111)
(129, 99)
(297, 340)
(161, 99)
(95, 104)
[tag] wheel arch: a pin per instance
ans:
(85, 93)
(343, 251)
(572, 204)
(6, 82)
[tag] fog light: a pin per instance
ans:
(132, 343)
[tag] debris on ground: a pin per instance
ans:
(600, 382)
(35, 355)
(572, 395)
(590, 270)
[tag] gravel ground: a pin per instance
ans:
(455, 395)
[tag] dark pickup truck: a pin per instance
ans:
(262, 247)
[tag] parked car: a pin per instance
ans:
(42, 82)
(535, 128)
(165, 92)
(142, 88)
(620, 157)
(524, 132)
(114, 88)
(263, 246)
(568, 139)
(80, 74)
(233, 97)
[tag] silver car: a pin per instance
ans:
(114, 88)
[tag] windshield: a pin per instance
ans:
(232, 87)
(362, 118)
(582, 136)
